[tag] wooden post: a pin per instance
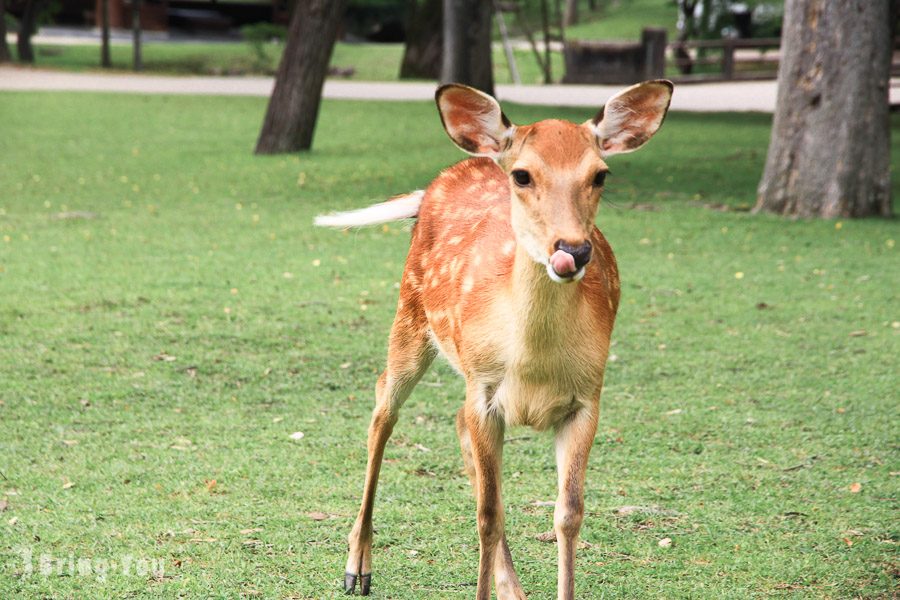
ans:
(728, 60)
(136, 34)
(105, 60)
(653, 40)
(507, 47)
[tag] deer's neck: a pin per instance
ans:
(543, 308)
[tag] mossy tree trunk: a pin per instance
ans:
(294, 105)
(829, 154)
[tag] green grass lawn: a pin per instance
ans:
(169, 317)
(624, 20)
(370, 62)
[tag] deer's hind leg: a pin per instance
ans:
(410, 352)
(506, 581)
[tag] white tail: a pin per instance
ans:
(398, 207)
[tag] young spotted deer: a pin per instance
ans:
(508, 277)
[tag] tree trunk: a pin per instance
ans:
(27, 27)
(105, 60)
(5, 54)
(829, 154)
(138, 61)
(294, 106)
(570, 16)
(467, 44)
(424, 40)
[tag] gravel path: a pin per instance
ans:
(735, 96)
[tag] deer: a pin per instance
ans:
(508, 278)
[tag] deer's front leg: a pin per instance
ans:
(486, 435)
(573, 445)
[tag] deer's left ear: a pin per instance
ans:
(632, 116)
(473, 120)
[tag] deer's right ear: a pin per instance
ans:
(473, 120)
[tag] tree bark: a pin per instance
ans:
(27, 27)
(5, 54)
(829, 155)
(570, 15)
(294, 106)
(105, 59)
(424, 40)
(467, 44)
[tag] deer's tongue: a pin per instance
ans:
(563, 263)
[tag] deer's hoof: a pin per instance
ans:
(349, 583)
(365, 583)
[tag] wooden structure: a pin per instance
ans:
(616, 62)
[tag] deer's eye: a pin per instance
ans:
(599, 178)
(521, 177)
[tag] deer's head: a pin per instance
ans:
(556, 169)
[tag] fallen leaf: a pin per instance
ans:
(848, 541)
(249, 531)
(203, 540)
(676, 411)
(4, 504)
(665, 542)
(317, 516)
(278, 419)
(68, 484)
(210, 485)
(164, 357)
(13, 521)
(182, 444)
(297, 435)
(543, 503)
(547, 536)
(855, 488)
(70, 442)
(422, 448)
(858, 333)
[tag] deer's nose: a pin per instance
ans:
(580, 252)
